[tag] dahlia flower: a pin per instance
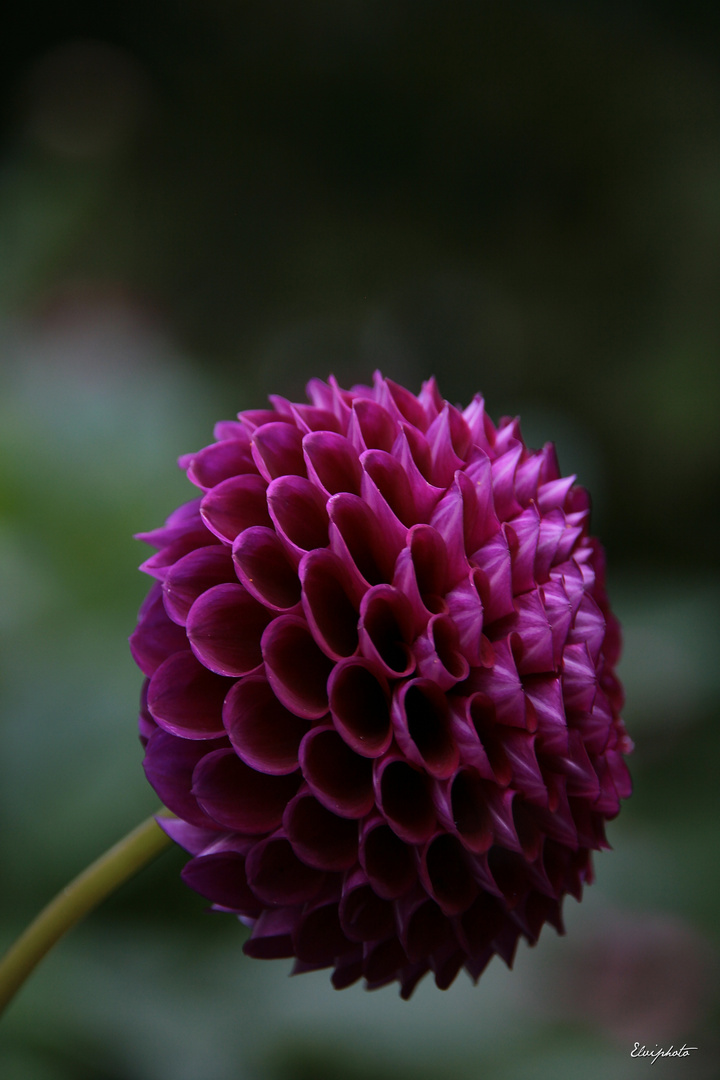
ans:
(380, 694)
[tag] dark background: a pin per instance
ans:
(203, 203)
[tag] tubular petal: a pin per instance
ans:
(296, 668)
(239, 798)
(264, 733)
(224, 626)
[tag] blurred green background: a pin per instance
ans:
(205, 202)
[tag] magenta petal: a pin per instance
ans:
(465, 609)
(420, 573)
(219, 462)
(404, 796)
(224, 627)
(220, 875)
(234, 505)
(406, 404)
(330, 602)
(194, 574)
(339, 778)
(239, 798)
(494, 559)
(386, 628)
(544, 692)
(155, 637)
(444, 458)
(264, 733)
(531, 637)
(186, 699)
(364, 916)
(264, 568)
(526, 527)
(502, 685)
(503, 471)
(297, 508)
(371, 427)
(277, 450)
(169, 763)
(191, 838)
(360, 706)
(421, 719)
(425, 496)
(271, 937)
(448, 519)
(331, 397)
(277, 876)
(297, 669)
(356, 537)
(386, 859)
(470, 810)
(446, 874)
(552, 495)
(319, 837)
(383, 961)
(589, 627)
(390, 480)
(423, 926)
(332, 462)
(394, 531)
(579, 677)
(438, 653)
(319, 937)
(481, 428)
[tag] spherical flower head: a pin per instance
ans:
(380, 691)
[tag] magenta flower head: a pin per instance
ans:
(380, 691)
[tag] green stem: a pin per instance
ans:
(78, 898)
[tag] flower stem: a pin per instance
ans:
(89, 889)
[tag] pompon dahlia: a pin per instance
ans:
(380, 691)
